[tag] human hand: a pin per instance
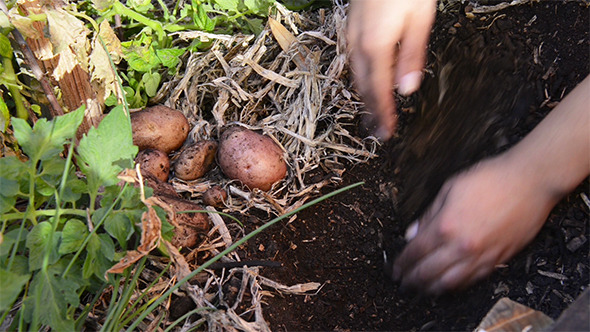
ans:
(480, 218)
(387, 40)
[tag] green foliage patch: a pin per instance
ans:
(58, 237)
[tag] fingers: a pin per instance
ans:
(412, 53)
(374, 30)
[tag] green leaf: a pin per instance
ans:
(259, 7)
(200, 17)
(49, 300)
(227, 5)
(12, 286)
(72, 237)
(119, 227)
(9, 239)
(104, 149)
(170, 57)
(140, 55)
(47, 138)
(37, 241)
(4, 114)
(73, 190)
(151, 82)
(102, 4)
(5, 47)
(141, 6)
(100, 252)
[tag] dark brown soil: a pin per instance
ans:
(340, 242)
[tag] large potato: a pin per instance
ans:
(196, 160)
(250, 157)
(154, 162)
(159, 127)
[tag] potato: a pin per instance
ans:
(191, 226)
(215, 196)
(196, 160)
(154, 162)
(159, 127)
(252, 158)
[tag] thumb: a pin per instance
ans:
(412, 52)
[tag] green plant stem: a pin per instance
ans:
(11, 82)
(43, 213)
(134, 313)
(121, 9)
(116, 308)
(232, 248)
(15, 247)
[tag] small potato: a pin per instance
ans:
(159, 127)
(215, 196)
(250, 157)
(191, 226)
(196, 160)
(154, 162)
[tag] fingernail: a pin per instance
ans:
(409, 83)
(412, 231)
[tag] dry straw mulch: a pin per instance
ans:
(299, 95)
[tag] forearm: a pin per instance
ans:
(556, 154)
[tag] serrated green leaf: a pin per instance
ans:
(103, 147)
(12, 285)
(49, 299)
(72, 237)
(47, 138)
(119, 227)
(37, 241)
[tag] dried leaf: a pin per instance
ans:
(102, 74)
(68, 33)
(130, 258)
(286, 39)
(182, 267)
(507, 315)
(282, 35)
(151, 227)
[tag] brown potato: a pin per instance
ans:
(215, 196)
(191, 226)
(159, 127)
(196, 160)
(154, 162)
(250, 157)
